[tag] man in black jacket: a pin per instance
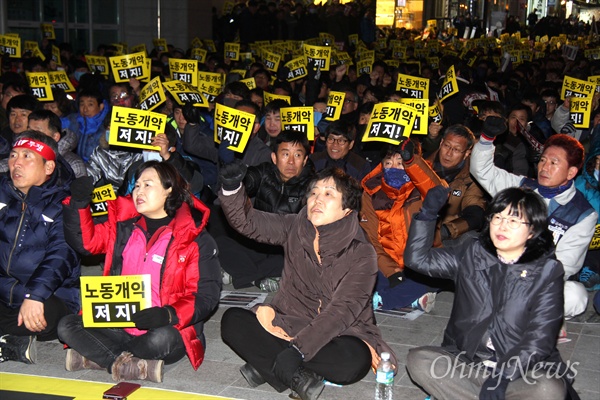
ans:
(277, 187)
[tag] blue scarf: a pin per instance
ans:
(545, 191)
(395, 177)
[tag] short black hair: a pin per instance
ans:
(24, 102)
(391, 149)
(348, 186)
(342, 128)
(46, 115)
(462, 131)
(275, 106)
(291, 136)
(93, 93)
(237, 88)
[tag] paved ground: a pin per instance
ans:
(219, 373)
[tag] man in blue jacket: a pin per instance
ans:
(39, 272)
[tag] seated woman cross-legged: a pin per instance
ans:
(320, 323)
(500, 341)
(158, 230)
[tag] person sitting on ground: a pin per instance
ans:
(339, 141)
(319, 325)
(39, 272)
(87, 123)
(500, 341)
(158, 230)
(18, 109)
(392, 193)
(276, 187)
(571, 219)
(272, 121)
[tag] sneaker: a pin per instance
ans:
(590, 279)
(18, 348)
(76, 362)
(269, 284)
(306, 384)
(425, 303)
(127, 367)
(252, 376)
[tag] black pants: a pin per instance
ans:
(344, 360)
(54, 310)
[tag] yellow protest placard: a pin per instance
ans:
(580, 111)
(335, 103)
(184, 93)
(212, 78)
(33, 47)
(160, 45)
(595, 243)
(299, 119)
(319, 55)
(353, 39)
(210, 91)
(131, 127)
(595, 79)
(232, 51)
(393, 63)
(414, 87)
(39, 83)
(97, 64)
(56, 55)
(364, 67)
(434, 62)
(233, 126)
(432, 23)
(389, 122)
(573, 87)
(110, 301)
(421, 121)
(435, 112)
(48, 31)
(343, 58)
(326, 38)
(209, 44)
(184, 70)
(449, 86)
(399, 52)
(130, 66)
(271, 60)
(416, 64)
(120, 49)
(11, 45)
(100, 196)
(250, 82)
(59, 79)
(297, 69)
(227, 7)
(269, 97)
(199, 54)
(140, 48)
(152, 95)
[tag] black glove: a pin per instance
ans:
(407, 151)
(434, 201)
(152, 318)
(396, 279)
(225, 155)
(191, 113)
(286, 364)
(81, 190)
(282, 73)
(494, 388)
(494, 126)
(232, 175)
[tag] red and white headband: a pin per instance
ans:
(39, 147)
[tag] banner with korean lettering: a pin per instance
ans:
(580, 111)
(39, 84)
(319, 55)
(269, 97)
(140, 48)
(421, 121)
(184, 70)
(449, 86)
(210, 45)
(595, 79)
(160, 44)
(199, 54)
(573, 87)
(111, 301)
(250, 82)
(56, 55)
(184, 93)
(212, 78)
(297, 68)
(389, 122)
(97, 64)
(232, 51)
(130, 66)
(210, 91)
(271, 60)
(48, 31)
(60, 80)
(34, 49)
(152, 95)
(131, 127)
(363, 67)
(10, 45)
(435, 112)
(234, 126)
(335, 103)
(100, 196)
(413, 87)
(299, 119)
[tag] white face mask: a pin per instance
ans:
(151, 155)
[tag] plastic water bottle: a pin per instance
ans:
(384, 378)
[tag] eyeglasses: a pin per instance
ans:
(549, 102)
(120, 96)
(512, 222)
(451, 149)
(340, 141)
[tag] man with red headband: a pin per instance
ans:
(39, 272)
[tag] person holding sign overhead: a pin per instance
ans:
(159, 230)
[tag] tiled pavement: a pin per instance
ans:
(219, 374)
